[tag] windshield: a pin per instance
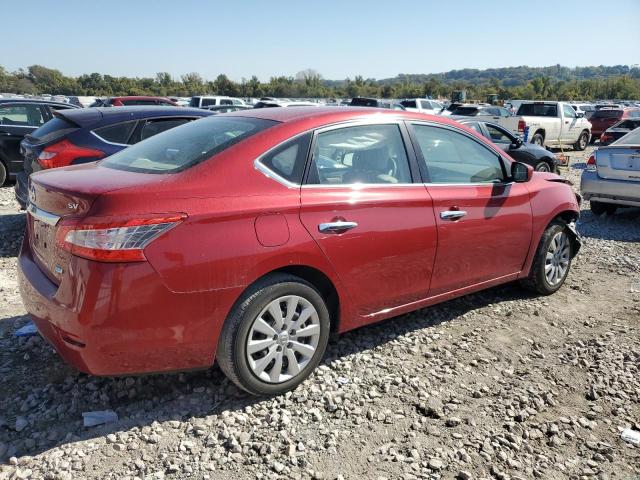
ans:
(465, 111)
(607, 114)
(182, 147)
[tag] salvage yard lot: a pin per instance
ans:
(499, 384)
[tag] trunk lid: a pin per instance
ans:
(66, 195)
(619, 163)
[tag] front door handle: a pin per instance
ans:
(336, 227)
(452, 214)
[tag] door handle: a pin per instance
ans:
(452, 214)
(336, 227)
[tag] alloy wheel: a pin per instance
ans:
(557, 259)
(283, 339)
(542, 167)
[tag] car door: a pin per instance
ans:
(16, 121)
(372, 221)
(483, 219)
(570, 127)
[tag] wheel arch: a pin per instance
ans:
(541, 131)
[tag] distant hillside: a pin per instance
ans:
(510, 76)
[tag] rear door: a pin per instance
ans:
(484, 220)
(373, 222)
(16, 121)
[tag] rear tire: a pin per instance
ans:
(263, 352)
(3, 173)
(538, 139)
(583, 141)
(552, 262)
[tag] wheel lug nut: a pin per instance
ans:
(289, 345)
(279, 349)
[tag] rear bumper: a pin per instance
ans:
(22, 189)
(618, 192)
(120, 319)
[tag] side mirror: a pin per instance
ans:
(520, 172)
(580, 114)
(517, 143)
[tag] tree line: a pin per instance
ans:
(550, 83)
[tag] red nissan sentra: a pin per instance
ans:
(246, 238)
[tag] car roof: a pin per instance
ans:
(37, 101)
(138, 97)
(94, 116)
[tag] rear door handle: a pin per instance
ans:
(452, 214)
(336, 227)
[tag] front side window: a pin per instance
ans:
(408, 104)
(451, 157)
(21, 115)
(569, 112)
(368, 154)
(154, 127)
(187, 145)
(498, 135)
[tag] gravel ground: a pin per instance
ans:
(498, 384)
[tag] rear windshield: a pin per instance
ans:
(364, 102)
(538, 110)
(631, 138)
(607, 114)
(57, 127)
(182, 147)
(408, 103)
(464, 111)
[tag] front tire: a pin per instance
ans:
(583, 141)
(552, 261)
(542, 166)
(275, 336)
(3, 173)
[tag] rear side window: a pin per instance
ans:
(451, 157)
(187, 145)
(607, 114)
(154, 127)
(208, 101)
(194, 102)
(118, 133)
(288, 160)
(465, 111)
(631, 138)
(21, 115)
(139, 102)
(538, 110)
(364, 102)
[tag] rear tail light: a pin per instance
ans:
(63, 153)
(521, 125)
(116, 240)
(591, 162)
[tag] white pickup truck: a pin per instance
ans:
(553, 123)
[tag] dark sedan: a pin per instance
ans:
(18, 117)
(539, 158)
(86, 135)
(618, 130)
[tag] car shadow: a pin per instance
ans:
(51, 396)
(622, 226)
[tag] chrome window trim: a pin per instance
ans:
(361, 186)
(43, 215)
(107, 141)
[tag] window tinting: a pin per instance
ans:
(187, 145)
(452, 157)
(288, 160)
(409, 104)
(56, 124)
(465, 111)
(139, 102)
(538, 110)
(607, 114)
(208, 101)
(118, 133)
(631, 138)
(21, 115)
(363, 154)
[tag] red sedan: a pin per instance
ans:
(246, 238)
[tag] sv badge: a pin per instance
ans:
(72, 206)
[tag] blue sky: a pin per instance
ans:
(337, 38)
